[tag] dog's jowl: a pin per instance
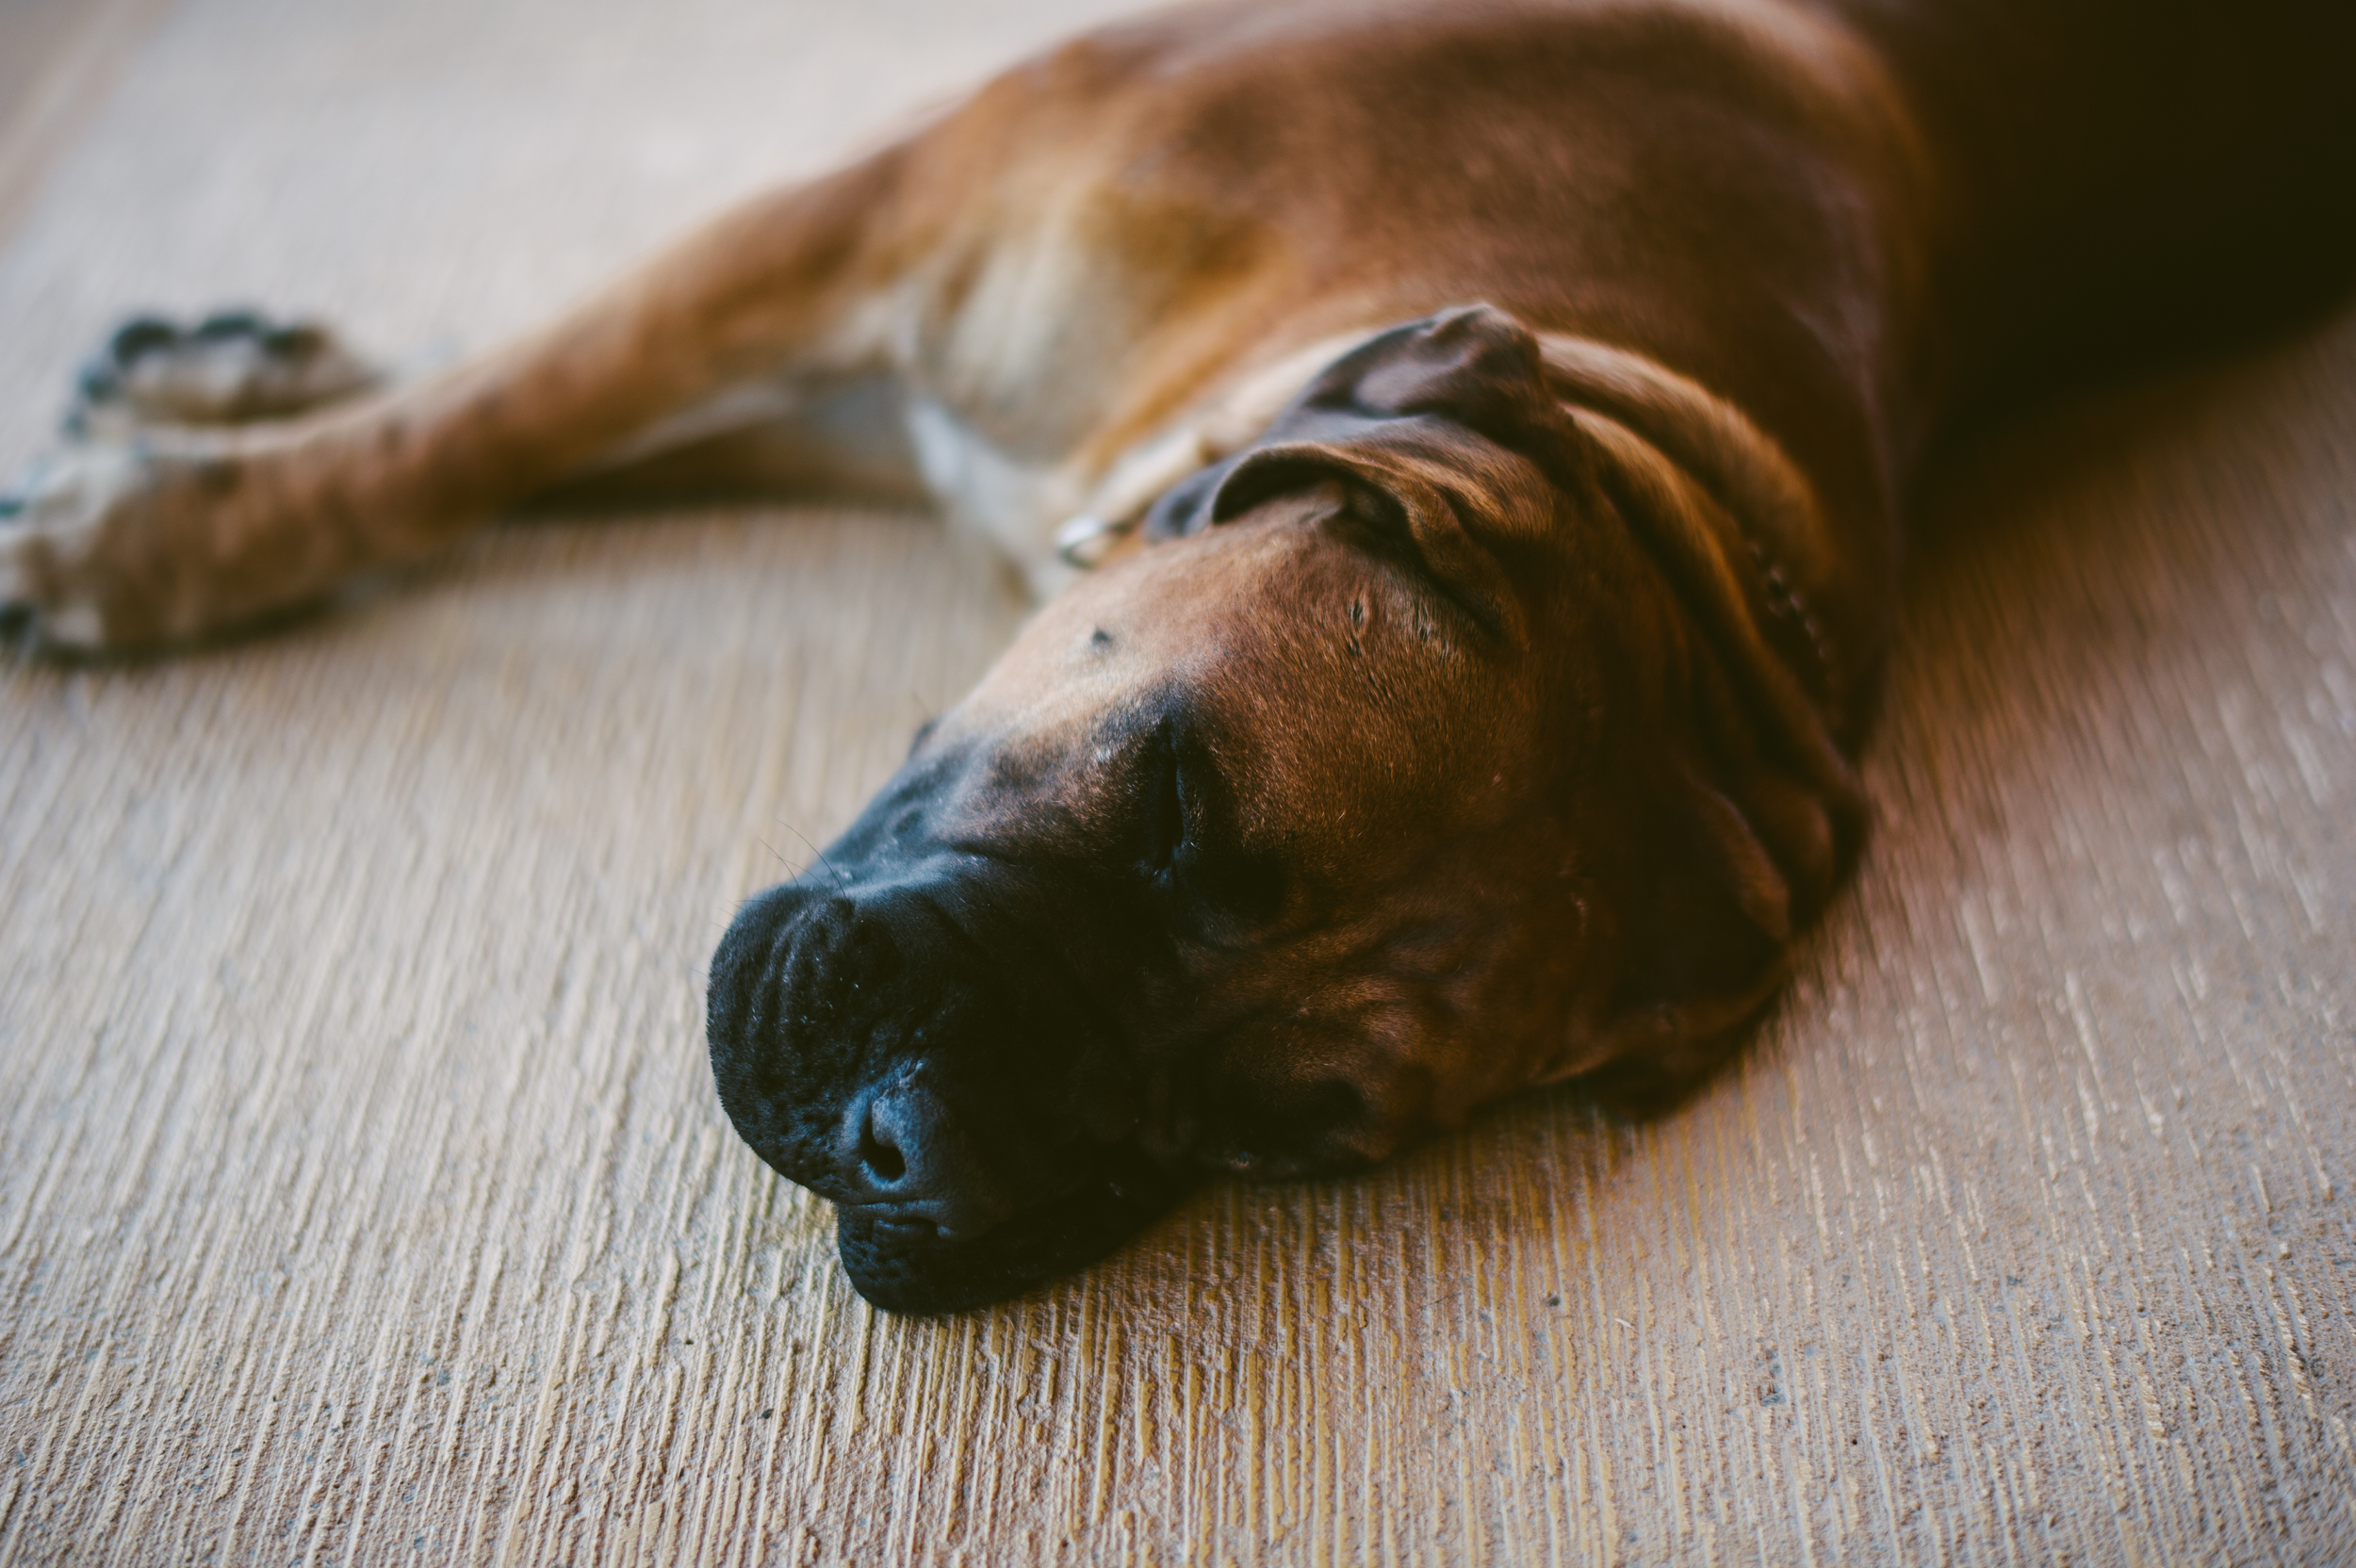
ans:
(1464, 445)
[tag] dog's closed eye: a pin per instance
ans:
(1164, 808)
(1211, 887)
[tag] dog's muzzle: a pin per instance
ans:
(886, 1042)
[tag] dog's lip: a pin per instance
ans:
(909, 1269)
(893, 1216)
(910, 1219)
(912, 1216)
(938, 1214)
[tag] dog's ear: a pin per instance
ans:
(1474, 365)
(1426, 388)
(1448, 442)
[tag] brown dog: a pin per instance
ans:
(1488, 419)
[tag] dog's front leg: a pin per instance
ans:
(154, 535)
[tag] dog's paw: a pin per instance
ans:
(89, 546)
(232, 367)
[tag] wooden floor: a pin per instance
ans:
(364, 1199)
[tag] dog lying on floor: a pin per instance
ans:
(1483, 424)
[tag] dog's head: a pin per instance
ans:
(1392, 774)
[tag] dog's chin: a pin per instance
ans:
(914, 1269)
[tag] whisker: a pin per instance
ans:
(779, 856)
(832, 869)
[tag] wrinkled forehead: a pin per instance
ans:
(1296, 658)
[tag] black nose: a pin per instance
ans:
(911, 1159)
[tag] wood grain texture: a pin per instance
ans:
(363, 1196)
(58, 60)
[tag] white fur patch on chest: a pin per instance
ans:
(1016, 505)
(1033, 510)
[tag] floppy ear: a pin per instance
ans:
(1473, 365)
(1448, 443)
(1473, 369)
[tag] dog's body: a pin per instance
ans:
(1551, 373)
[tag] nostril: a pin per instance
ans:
(881, 1157)
(905, 1155)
